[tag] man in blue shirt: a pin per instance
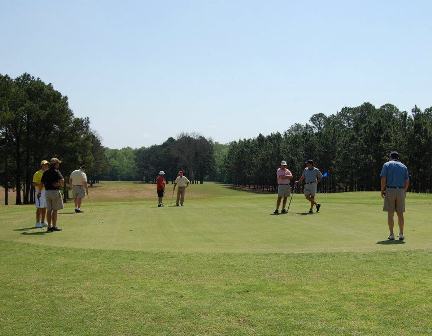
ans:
(394, 185)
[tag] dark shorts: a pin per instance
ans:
(160, 193)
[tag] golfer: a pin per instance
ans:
(182, 183)
(78, 182)
(40, 201)
(311, 176)
(394, 185)
(283, 176)
(160, 187)
(53, 180)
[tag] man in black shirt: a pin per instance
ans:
(53, 181)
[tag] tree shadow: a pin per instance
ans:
(39, 233)
(391, 242)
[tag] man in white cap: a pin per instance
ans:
(284, 177)
(78, 181)
(40, 201)
(160, 187)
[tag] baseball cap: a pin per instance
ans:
(283, 163)
(309, 162)
(394, 154)
(55, 160)
(161, 172)
(44, 162)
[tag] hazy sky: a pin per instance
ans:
(143, 71)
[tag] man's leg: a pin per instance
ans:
(43, 213)
(54, 218)
(278, 202)
(178, 196)
(182, 196)
(401, 222)
(38, 215)
(284, 202)
(76, 202)
(49, 217)
(390, 221)
(79, 201)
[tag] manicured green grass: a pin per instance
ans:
(221, 265)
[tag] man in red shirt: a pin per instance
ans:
(160, 187)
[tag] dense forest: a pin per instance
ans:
(349, 147)
(36, 123)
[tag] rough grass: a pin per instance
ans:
(221, 265)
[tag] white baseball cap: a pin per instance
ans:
(283, 163)
(161, 172)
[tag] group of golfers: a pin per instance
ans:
(394, 185)
(48, 182)
(181, 182)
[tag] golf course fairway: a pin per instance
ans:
(220, 265)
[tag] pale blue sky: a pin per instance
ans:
(143, 71)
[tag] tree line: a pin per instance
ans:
(191, 153)
(349, 147)
(37, 123)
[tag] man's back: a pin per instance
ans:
(396, 173)
(78, 177)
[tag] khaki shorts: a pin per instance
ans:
(78, 191)
(394, 200)
(284, 190)
(54, 200)
(310, 189)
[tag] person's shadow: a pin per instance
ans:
(38, 233)
(391, 242)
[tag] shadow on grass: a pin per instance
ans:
(25, 229)
(38, 233)
(67, 213)
(303, 213)
(391, 242)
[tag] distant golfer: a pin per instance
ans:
(283, 176)
(78, 181)
(394, 185)
(311, 176)
(40, 201)
(182, 183)
(160, 187)
(53, 180)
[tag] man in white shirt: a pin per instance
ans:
(182, 183)
(78, 181)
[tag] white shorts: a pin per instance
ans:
(40, 202)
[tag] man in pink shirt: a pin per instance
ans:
(284, 177)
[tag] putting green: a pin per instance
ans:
(124, 216)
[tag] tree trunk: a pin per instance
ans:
(6, 180)
(18, 200)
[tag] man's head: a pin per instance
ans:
(180, 173)
(309, 164)
(44, 165)
(394, 155)
(283, 164)
(161, 173)
(54, 162)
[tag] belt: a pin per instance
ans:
(392, 187)
(311, 182)
(284, 184)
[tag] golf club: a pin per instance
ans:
(292, 194)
